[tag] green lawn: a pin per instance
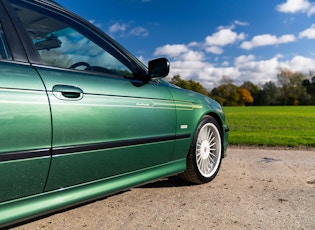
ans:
(291, 126)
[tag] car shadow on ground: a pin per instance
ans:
(167, 183)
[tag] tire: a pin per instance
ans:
(205, 153)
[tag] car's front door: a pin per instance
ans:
(105, 120)
(25, 121)
(111, 128)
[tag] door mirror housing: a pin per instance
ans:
(158, 68)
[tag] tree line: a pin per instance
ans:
(291, 88)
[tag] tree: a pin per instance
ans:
(309, 85)
(226, 80)
(270, 94)
(283, 80)
(254, 91)
(176, 80)
(245, 96)
(190, 85)
(293, 91)
(251, 87)
(197, 87)
(226, 94)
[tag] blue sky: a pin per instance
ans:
(245, 40)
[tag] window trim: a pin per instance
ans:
(4, 46)
(13, 40)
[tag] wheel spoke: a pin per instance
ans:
(212, 154)
(204, 163)
(212, 158)
(212, 140)
(208, 163)
(201, 166)
(210, 135)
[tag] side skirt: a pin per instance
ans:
(12, 212)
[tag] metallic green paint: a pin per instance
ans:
(25, 125)
(32, 206)
(24, 109)
(71, 169)
(21, 178)
(107, 104)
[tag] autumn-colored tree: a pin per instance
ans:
(254, 91)
(245, 96)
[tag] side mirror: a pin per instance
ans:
(159, 68)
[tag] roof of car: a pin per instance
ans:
(51, 1)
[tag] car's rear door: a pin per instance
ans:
(106, 120)
(25, 121)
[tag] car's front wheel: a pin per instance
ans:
(205, 154)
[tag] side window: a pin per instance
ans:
(60, 45)
(4, 48)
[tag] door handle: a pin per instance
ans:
(67, 92)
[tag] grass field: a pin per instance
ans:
(290, 126)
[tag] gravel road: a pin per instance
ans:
(255, 189)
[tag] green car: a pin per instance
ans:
(82, 118)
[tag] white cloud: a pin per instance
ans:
(311, 10)
(193, 44)
(300, 63)
(96, 24)
(126, 29)
(117, 27)
(240, 23)
(233, 25)
(224, 37)
(244, 59)
(193, 56)
(259, 67)
(225, 64)
(214, 50)
(142, 59)
(295, 6)
(267, 40)
(139, 31)
(171, 50)
(188, 69)
(308, 33)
